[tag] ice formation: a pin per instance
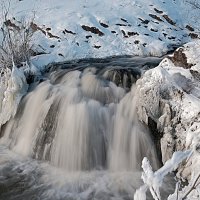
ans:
(13, 86)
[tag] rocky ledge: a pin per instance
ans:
(169, 103)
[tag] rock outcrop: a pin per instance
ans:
(170, 99)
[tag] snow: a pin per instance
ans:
(154, 180)
(126, 34)
(13, 87)
(193, 54)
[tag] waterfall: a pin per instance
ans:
(82, 120)
(76, 134)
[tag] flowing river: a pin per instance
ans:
(76, 135)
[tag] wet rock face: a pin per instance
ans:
(179, 59)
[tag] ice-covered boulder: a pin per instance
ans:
(170, 97)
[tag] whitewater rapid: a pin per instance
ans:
(79, 132)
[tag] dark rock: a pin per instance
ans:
(179, 59)
(156, 17)
(123, 32)
(124, 20)
(193, 35)
(145, 44)
(103, 24)
(113, 31)
(30, 78)
(97, 47)
(52, 36)
(156, 136)
(60, 54)
(144, 21)
(172, 38)
(93, 30)
(170, 21)
(158, 11)
(47, 134)
(88, 36)
(154, 30)
(52, 46)
(136, 41)
(124, 77)
(189, 28)
(35, 28)
(132, 33)
(121, 24)
(70, 32)
(165, 34)
(48, 29)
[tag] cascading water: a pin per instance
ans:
(84, 121)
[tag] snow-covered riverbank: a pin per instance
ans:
(67, 30)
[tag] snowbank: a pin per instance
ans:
(67, 30)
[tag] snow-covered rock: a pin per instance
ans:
(154, 180)
(170, 96)
(13, 87)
